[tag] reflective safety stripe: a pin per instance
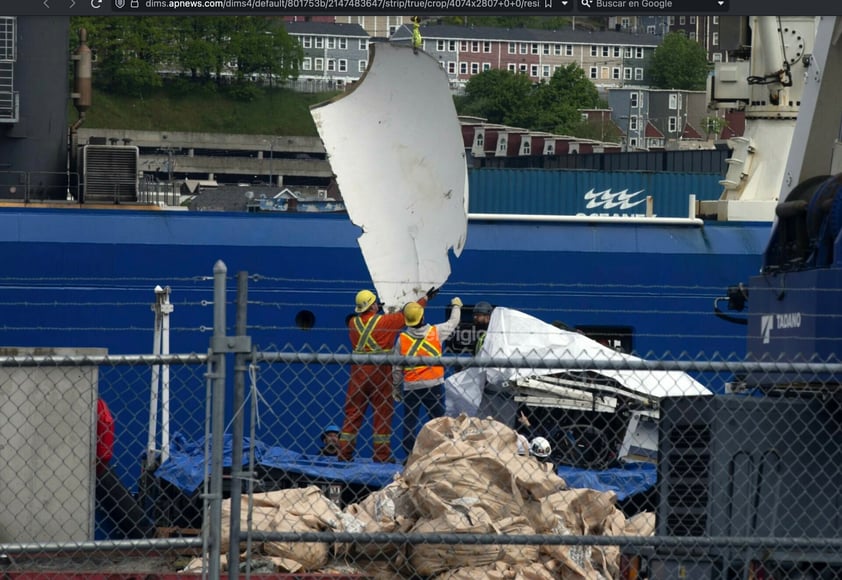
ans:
(347, 436)
(367, 344)
(381, 438)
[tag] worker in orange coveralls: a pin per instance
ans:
(372, 332)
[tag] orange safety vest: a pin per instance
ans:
(430, 345)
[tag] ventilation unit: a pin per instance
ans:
(109, 174)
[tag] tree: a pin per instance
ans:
(500, 96)
(679, 63)
(509, 98)
(559, 100)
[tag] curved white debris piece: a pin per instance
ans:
(394, 143)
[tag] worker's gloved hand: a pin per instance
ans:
(431, 293)
(456, 302)
(397, 393)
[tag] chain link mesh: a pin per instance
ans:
(649, 473)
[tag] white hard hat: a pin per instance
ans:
(540, 448)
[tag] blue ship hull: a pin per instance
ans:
(86, 277)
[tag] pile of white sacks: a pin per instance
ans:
(464, 477)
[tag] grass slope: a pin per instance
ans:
(207, 109)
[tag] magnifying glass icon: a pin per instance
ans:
(586, 3)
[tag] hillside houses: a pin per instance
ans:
(336, 55)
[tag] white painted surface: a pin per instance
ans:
(394, 143)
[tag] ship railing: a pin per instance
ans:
(39, 187)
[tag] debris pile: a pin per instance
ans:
(464, 476)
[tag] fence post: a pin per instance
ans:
(217, 355)
(237, 429)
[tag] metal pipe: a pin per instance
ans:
(217, 423)
(237, 429)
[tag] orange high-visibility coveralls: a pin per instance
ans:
(371, 384)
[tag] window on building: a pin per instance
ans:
(524, 48)
(625, 22)
(342, 43)
(634, 99)
(502, 144)
(682, 20)
(717, 57)
(533, 70)
(628, 52)
(363, 44)
(331, 64)
(307, 63)
(319, 64)
(632, 123)
(615, 73)
(486, 46)
(523, 69)
(479, 139)
(617, 51)
(512, 48)
(627, 74)
(486, 66)
(535, 48)
(673, 101)
(546, 48)
(343, 65)
(650, 29)
(451, 67)
(670, 20)
(606, 51)
(319, 42)
(463, 68)
(593, 73)
(361, 65)
(638, 74)
(714, 38)
(692, 20)
(716, 19)
(307, 41)
(512, 67)
(557, 49)
(440, 45)
(545, 70)
(633, 142)
(474, 46)
(451, 46)
(527, 148)
(568, 50)
(594, 50)
(692, 36)
(474, 68)
(673, 124)
(638, 53)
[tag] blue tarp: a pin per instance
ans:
(624, 481)
(185, 469)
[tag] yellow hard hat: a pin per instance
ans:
(413, 313)
(365, 298)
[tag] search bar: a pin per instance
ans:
(653, 6)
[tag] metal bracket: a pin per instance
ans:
(231, 344)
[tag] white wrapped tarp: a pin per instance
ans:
(515, 335)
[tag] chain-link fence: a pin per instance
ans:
(557, 457)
